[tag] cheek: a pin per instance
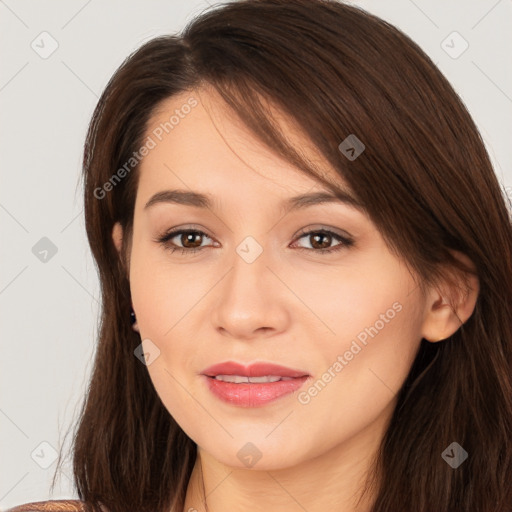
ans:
(166, 298)
(362, 343)
(162, 293)
(364, 366)
(370, 300)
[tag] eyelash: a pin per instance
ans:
(165, 239)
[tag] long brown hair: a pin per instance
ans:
(424, 178)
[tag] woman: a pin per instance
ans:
(299, 216)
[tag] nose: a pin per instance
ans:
(251, 301)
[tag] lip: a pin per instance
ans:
(252, 370)
(252, 394)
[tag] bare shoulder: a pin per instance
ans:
(54, 506)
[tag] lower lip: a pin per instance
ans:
(253, 395)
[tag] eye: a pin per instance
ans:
(190, 238)
(320, 239)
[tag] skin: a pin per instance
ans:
(293, 307)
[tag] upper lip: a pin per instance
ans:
(252, 370)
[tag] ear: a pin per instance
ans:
(117, 236)
(119, 241)
(451, 302)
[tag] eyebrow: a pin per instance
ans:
(199, 200)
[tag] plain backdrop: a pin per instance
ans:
(49, 301)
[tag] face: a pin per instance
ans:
(250, 279)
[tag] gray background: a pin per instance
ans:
(49, 302)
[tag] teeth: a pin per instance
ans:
(239, 379)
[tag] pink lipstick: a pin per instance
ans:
(254, 385)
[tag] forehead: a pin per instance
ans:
(200, 144)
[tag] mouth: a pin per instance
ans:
(254, 385)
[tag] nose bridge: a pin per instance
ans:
(250, 299)
(249, 268)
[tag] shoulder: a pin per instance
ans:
(54, 506)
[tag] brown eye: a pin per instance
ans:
(190, 239)
(321, 240)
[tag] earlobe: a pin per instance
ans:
(450, 305)
(117, 236)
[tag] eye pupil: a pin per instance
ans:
(321, 235)
(189, 237)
